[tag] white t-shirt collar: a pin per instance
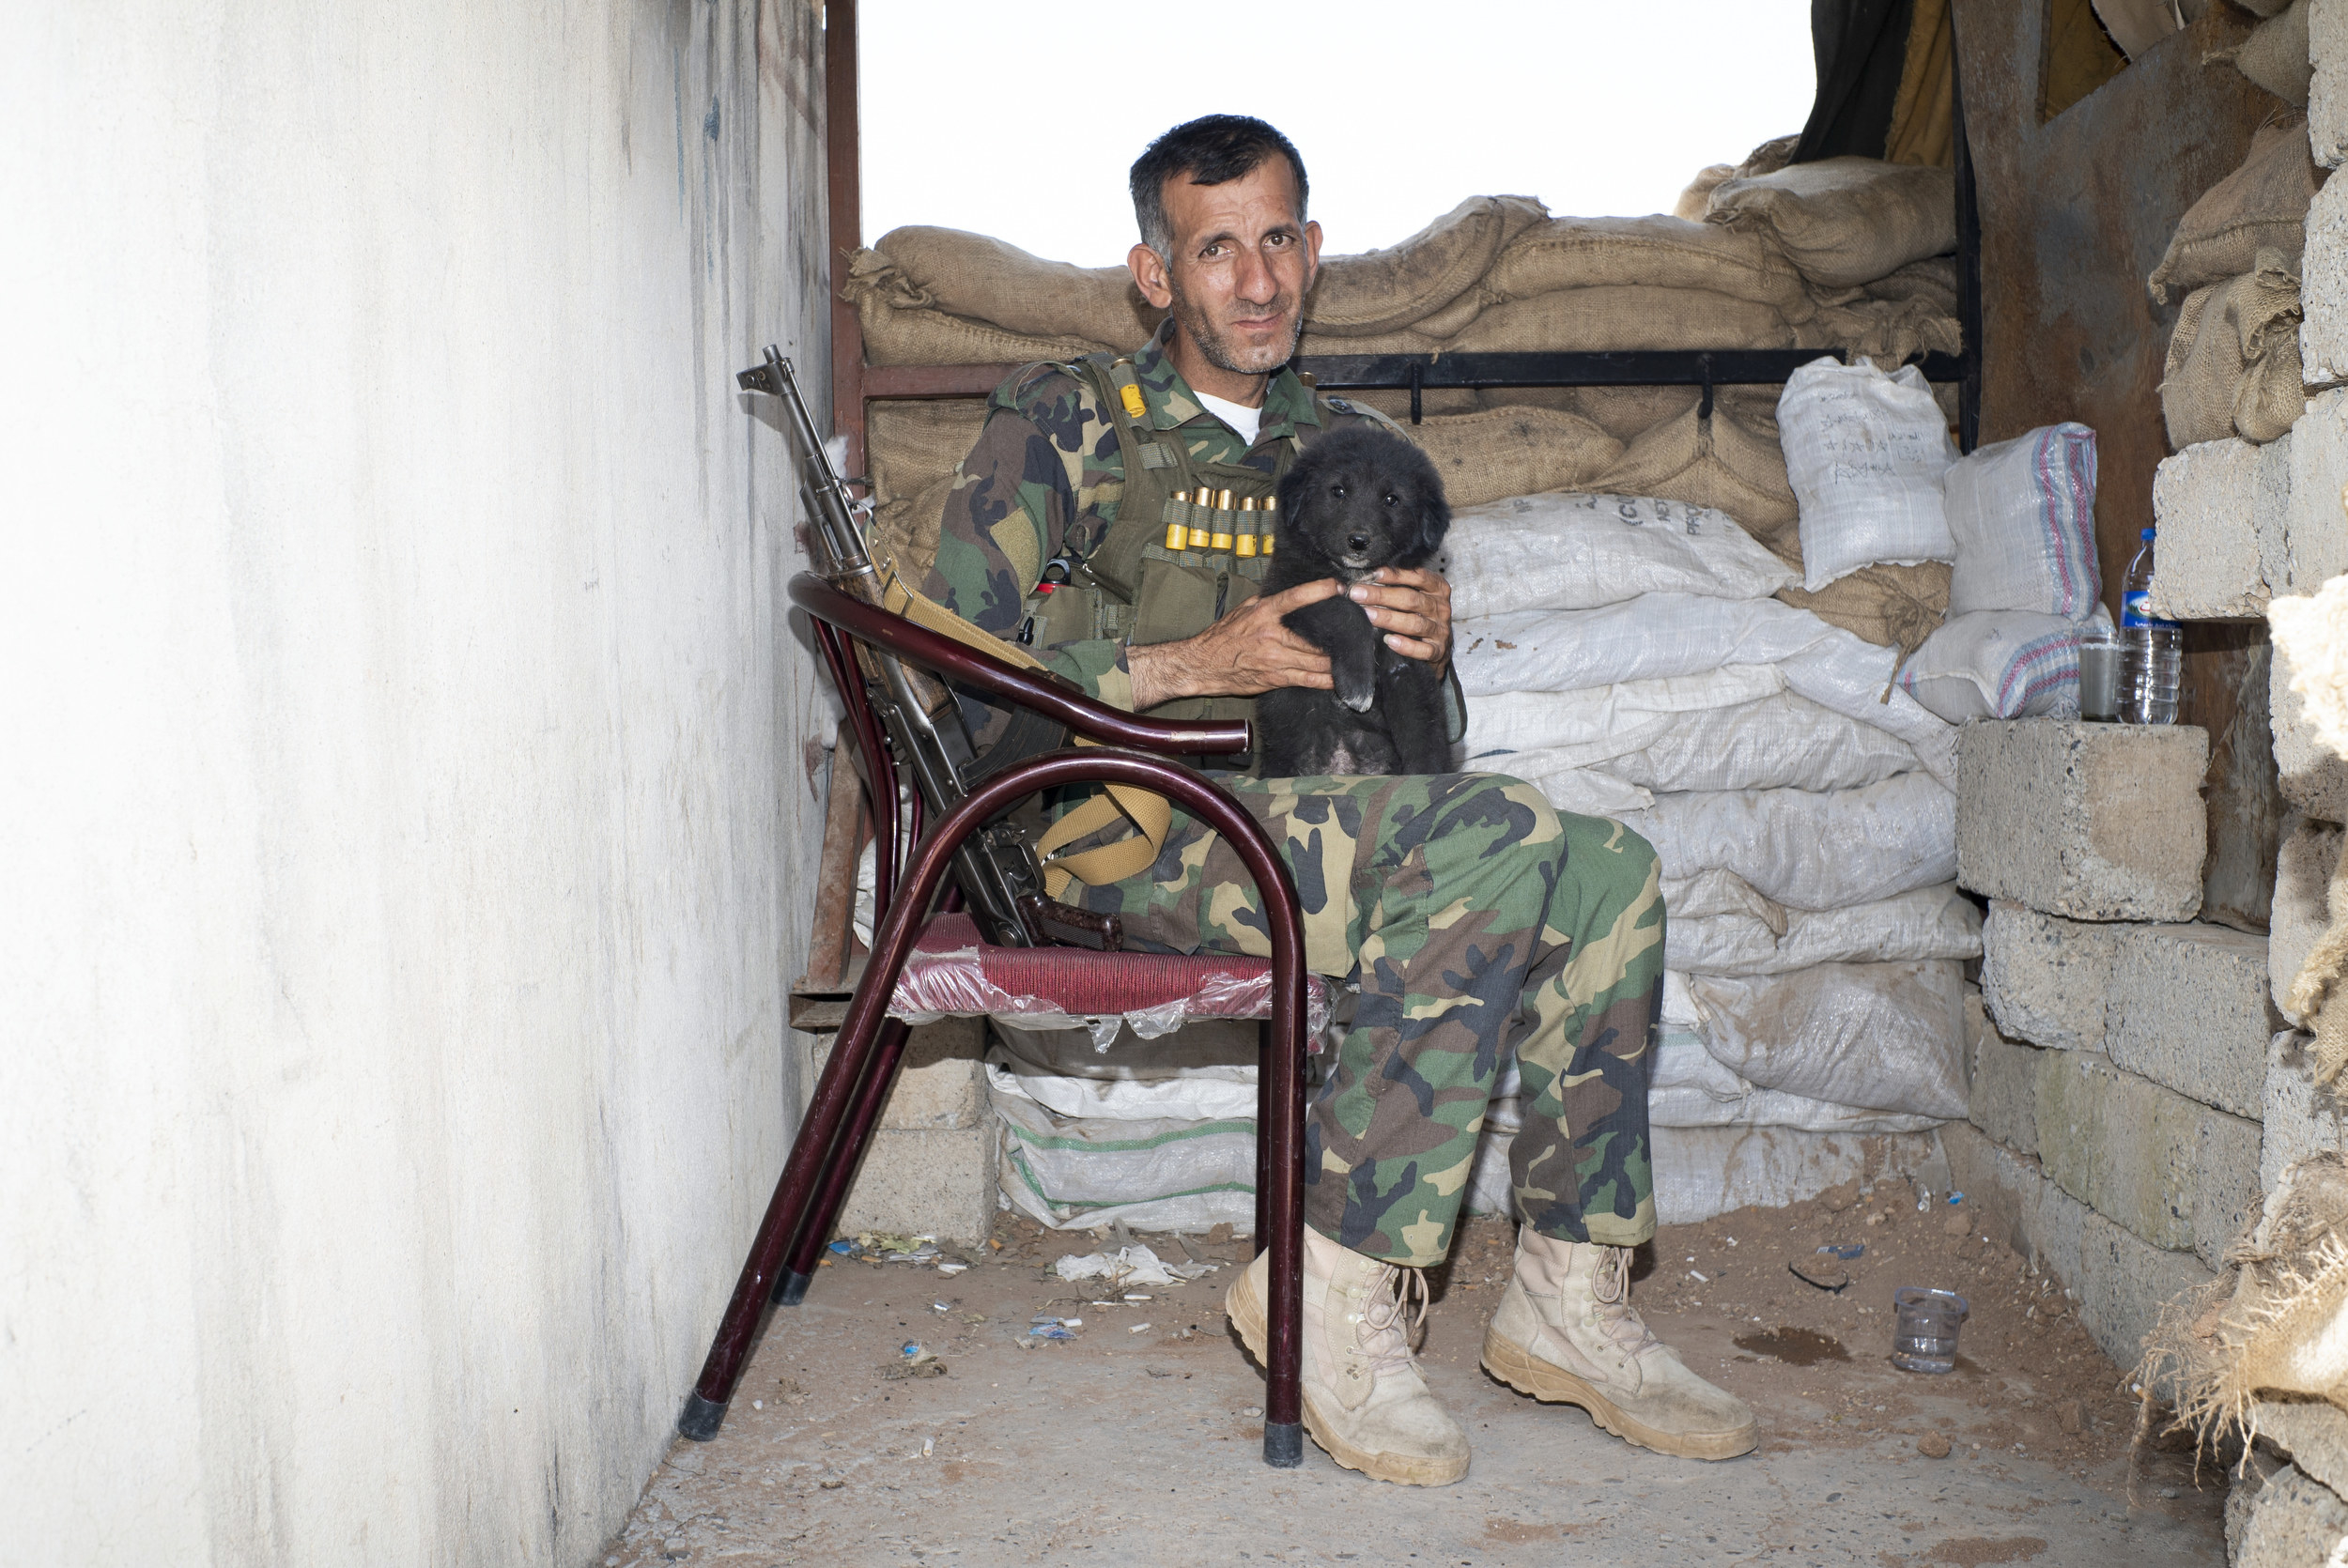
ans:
(1243, 421)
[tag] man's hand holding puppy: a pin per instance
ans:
(1411, 605)
(1248, 652)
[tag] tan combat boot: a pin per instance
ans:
(1364, 1399)
(1566, 1332)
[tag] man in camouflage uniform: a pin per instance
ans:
(1477, 921)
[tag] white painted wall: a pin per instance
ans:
(404, 842)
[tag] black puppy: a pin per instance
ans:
(1357, 500)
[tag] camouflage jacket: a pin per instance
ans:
(1048, 473)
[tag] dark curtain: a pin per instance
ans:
(1861, 49)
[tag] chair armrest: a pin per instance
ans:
(1025, 688)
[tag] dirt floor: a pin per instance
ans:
(1138, 1439)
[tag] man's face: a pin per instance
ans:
(1240, 269)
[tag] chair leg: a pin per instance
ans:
(1280, 1137)
(794, 1201)
(847, 1152)
(1263, 1135)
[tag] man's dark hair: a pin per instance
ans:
(1211, 151)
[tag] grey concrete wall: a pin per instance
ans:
(408, 836)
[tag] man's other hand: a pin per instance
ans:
(1244, 655)
(1412, 606)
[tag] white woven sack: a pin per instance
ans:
(1659, 635)
(1782, 741)
(1718, 891)
(1569, 551)
(1998, 664)
(1809, 851)
(1702, 1172)
(1888, 1036)
(2023, 515)
(1584, 791)
(1069, 1172)
(1609, 720)
(1864, 453)
(1929, 923)
(1203, 1071)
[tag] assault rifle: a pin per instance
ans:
(1001, 880)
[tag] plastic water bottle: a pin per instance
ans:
(2150, 648)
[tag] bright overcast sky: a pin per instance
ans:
(1020, 121)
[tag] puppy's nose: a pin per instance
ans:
(1357, 541)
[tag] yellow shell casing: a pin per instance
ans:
(1247, 546)
(1199, 538)
(1176, 534)
(1131, 396)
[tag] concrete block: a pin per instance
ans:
(2020, 1207)
(2324, 291)
(942, 1083)
(2315, 529)
(2312, 774)
(2222, 508)
(2296, 1520)
(934, 1183)
(2094, 821)
(2045, 979)
(2190, 1010)
(2004, 1095)
(2301, 1120)
(2328, 95)
(2122, 1280)
(2178, 1174)
(2314, 1433)
(2302, 908)
(2125, 1282)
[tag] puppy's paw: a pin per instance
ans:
(1356, 694)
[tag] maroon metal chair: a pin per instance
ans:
(855, 1082)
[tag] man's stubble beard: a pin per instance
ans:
(1216, 349)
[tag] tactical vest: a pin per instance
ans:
(1190, 543)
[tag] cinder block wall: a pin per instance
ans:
(407, 823)
(2120, 1047)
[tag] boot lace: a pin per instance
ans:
(1391, 1319)
(1610, 1285)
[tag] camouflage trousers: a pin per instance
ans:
(1479, 923)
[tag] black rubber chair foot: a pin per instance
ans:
(791, 1287)
(703, 1417)
(1283, 1445)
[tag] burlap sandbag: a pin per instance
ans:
(1932, 281)
(1696, 197)
(1652, 252)
(1401, 341)
(1622, 412)
(1766, 158)
(1890, 331)
(1896, 606)
(1384, 290)
(928, 337)
(2261, 205)
(983, 279)
(1395, 405)
(2233, 360)
(906, 531)
(1730, 461)
(1847, 221)
(1626, 316)
(909, 445)
(1499, 453)
(2274, 55)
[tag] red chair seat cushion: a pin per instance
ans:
(953, 973)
